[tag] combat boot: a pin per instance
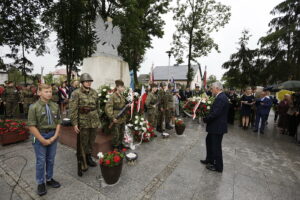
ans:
(89, 161)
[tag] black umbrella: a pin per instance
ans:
(289, 85)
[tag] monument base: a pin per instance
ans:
(106, 69)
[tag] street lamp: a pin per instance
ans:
(169, 55)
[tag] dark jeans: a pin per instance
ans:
(263, 119)
(292, 125)
(214, 150)
(45, 156)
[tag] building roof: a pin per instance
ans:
(62, 71)
(178, 72)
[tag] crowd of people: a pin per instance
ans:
(15, 99)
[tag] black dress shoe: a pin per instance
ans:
(204, 162)
(53, 183)
(213, 168)
(41, 189)
(89, 160)
(261, 132)
(255, 131)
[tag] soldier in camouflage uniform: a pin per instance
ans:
(55, 96)
(152, 104)
(27, 98)
(161, 108)
(84, 114)
(114, 105)
(11, 99)
(169, 106)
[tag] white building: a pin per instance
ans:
(3, 76)
(178, 73)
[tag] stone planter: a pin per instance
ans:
(179, 129)
(111, 175)
(10, 138)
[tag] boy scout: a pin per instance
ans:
(44, 123)
(114, 105)
(161, 109)
(151, 103)
(84, 114)
(11, 98)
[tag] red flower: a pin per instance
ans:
(117, 159)
(124, 149)
(101, 161)
(107, 162)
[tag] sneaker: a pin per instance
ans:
(53, 183)
(41, 189)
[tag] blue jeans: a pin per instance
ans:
(45, 156)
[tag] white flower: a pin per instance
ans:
(142, 119)
(136, 121)
(105, 101)
(107, 96)
(100, 155)
(208, 107)
(209, 102)
(129, 125)
(99, 95)
(136, 117)
(144, 129)
(141, 123)
(104, 90)
(136, 128)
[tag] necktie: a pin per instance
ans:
(49, 115)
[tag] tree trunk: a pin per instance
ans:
(189, 78)
(24, 66)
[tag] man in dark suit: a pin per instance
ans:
(216, 127)
(263, 107)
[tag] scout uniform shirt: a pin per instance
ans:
(11, 94)
(151, 101)
(84, 108)
(38, 116)
(168, 100)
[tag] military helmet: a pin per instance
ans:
(85, 77)
(162, 84)
(153, 85)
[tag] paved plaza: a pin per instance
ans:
(256, 166)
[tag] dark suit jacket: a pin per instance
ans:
(217, 117)
(265, 107)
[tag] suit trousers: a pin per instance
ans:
(263, 118)
(214, 150)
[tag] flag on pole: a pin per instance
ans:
(151, 78)
(204, 79)
(140, 99)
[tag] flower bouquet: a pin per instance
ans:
(179, 126)
(104, 93)
(111, 165)
(141, 129)
(12, 131)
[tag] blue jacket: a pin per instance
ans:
(217, 118)
(263, 107)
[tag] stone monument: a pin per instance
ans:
(105, 65)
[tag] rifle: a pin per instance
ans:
(120, 114)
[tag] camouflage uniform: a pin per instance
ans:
(84, 112)
(11, 98)
(114, 105)
(161, 111)
(152, 111)
(169, 107)
(27, 98)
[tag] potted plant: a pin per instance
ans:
(179, 126)
(12, 131)
(111, 165)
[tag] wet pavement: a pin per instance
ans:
(255, 167)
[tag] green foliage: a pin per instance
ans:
(282, 44)
(197, 19)
(48, 79)
(211, 79)
(21, 30)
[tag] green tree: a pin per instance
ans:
(244, 65)
(197, 19)
(48, 79)
(282, 44)
(66, 18)
(21, 30)
(211, 79)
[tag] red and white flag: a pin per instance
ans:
(195, 109)
(204, 79)
(151, 78)
(140, 99)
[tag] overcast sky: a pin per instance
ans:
(253, 15)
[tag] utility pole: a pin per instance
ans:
(169, 55)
